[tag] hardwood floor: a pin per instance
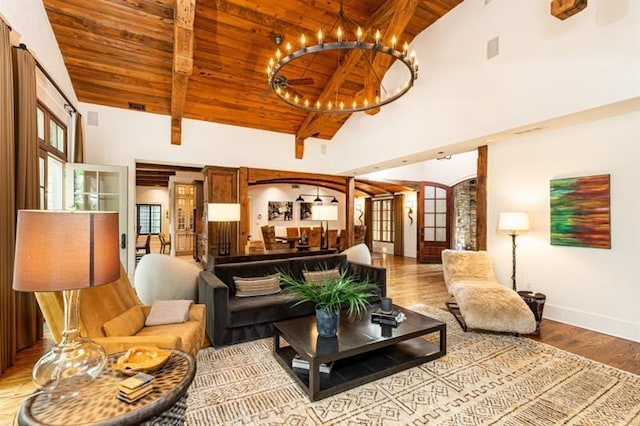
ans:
(408, 283)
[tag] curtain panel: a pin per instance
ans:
(78, 144)
(7, 204)
(29, 321)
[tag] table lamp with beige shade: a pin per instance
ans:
(514, 222)
(66, 251)
(224, 214)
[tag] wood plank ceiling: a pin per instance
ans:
(206, 59)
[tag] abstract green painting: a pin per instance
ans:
(580, 212)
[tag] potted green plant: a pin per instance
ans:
(331, 292)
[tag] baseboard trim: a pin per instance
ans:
(600, 323)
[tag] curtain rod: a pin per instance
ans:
(51, 80)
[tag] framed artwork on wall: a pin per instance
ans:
(280, 211)
(580, 211)
(305, 211)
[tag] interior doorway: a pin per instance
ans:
(434, 221)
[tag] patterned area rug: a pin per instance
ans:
(485, 379)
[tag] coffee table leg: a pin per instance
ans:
(443, 339)
(314, 380)
(276, 342)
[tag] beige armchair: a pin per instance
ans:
(117, 305)
(482, 302)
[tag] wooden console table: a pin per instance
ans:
(268, 255)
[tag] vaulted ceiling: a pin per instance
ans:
(206, 59)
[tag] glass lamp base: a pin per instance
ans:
(68, 367)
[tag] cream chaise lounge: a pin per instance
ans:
(483, 303)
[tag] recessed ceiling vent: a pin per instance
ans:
(533, 129)
(137, 107)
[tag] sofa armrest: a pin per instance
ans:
(376, 274)
(215, 295)
(123, 343)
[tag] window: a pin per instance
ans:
(52, 138)
(148, 218)
(382, 220)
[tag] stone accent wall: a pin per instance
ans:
(464, 208)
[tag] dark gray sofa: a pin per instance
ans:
(233, 319)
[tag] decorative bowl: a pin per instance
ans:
(142, 359)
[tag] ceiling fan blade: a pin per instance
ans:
(300, 82)
(295, 93)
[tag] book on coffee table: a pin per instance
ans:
(387, 318)
(303, 364)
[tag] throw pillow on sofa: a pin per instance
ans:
(168, 312)
(127, 323)
(257, 286)
(319, 276)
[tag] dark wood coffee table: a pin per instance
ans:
(360, 351)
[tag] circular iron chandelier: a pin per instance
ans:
(278, 82)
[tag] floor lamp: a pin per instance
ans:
(324, 214)
(224, 214)
(67, 251)
(513, 222)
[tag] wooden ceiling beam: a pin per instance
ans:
(184, 14)
(381, 63)
(387, 11)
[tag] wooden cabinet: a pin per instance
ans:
(220, 186)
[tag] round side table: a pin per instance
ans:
(97, 403)
(536, 302)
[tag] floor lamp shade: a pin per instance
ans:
(223, 213)
(67, 251)
(513, 221)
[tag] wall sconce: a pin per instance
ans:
(410, 211)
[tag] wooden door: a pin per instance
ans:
(434, 221)
(98, 187)
(184, 199)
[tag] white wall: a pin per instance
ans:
(593, 288)
(260, 195)
(546, 68)
(155, 195)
